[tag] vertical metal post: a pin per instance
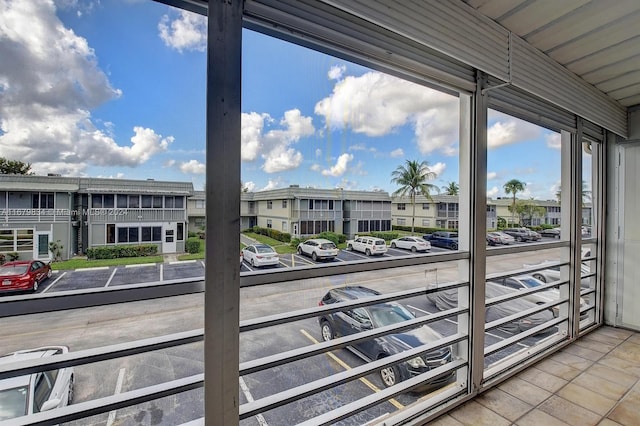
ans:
(599, 204)
(222, 241)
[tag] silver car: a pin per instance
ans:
(34, 393)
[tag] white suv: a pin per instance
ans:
(368, 245)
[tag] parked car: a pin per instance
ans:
(535, 236)
(444, 239)
(318, 248)
(23, 275)
(502, 238)
(448, 299)
(551, 232)
(519, 234)
(411, 243)
(368, 245)
(552, 272)
(344, 323)
(259, 255)
(33, 393)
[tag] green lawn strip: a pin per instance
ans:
(191, 256)
(84, 263)
(278, 246)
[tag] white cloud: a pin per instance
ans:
(509, 130)
(187, 31)
(193, 167)
(553, 140)
(274, 146)
(377, 104)
(493, 192)
(50, 82)
(336, 72)
(318, 152)
(249, 186)
(396, 153)
(272, 184)
(491, 175)
(316, 167)
(438, 168)
(340, 167)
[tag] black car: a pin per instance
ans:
(520, 234)
(361, 319)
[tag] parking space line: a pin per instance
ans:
(112, 413)
(162, 272)
(96, 268)
(202, 263)
(347, 367)
(247, 394)
(140, 265)
(300, 257)
(111, 277)
(181, 262)
(364, 256)
(54, 281)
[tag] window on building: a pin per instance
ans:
(284, 204)
(157, 201)
(24, 240)
(425, 206)
(111, 233)
(169, 202)
(269, 223)
(151, 233)
(426, 222)
(200, 204)
(123, 201)
(180, 232)
(401, 221)
(310, 204)
(269, 204)
(42, 200)
(128, 234)
(402, 206)
(363, 226)
(179, 202)
(108, 201)
(285, 226)
(146, 201)
(134, 201)
(330, 204)
(6, 240)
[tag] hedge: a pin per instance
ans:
(192, 245)
(116, 252)
(385, 235)
(420, 229)
(285, 237)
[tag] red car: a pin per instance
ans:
(23, 275)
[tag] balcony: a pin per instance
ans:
(111, 215)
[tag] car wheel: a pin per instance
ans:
(349, 247)
(35, 285)
(253, 263)
(70, 394)
(327, 331)
(314, 256)
(390, 375)
(540, 277)
(519, 239)
(299, 251)
(414, 249)
(367, 252)
(454, 247)
(393, 245)
(49, 273)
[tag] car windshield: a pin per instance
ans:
(328, 246)
(379, 243)
(13, 403)
(388, 313)
(264, 249)
(530, 282)
(13, 270)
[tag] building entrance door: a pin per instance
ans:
(41, 248)
(169, 238)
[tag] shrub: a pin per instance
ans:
(285, 237)
(192, 234)
(294, 242)
(3, 258)
(13, 256)
(192, 245)
(116, 252)
(385, 235)
(419, 229)
(332, 236)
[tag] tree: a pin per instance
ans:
(14, 167)
(513, 187)
(451, 189)
(586, 194)
(529, 209)
(412, 179)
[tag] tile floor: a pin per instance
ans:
(594, 381)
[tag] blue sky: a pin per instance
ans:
(116, 89)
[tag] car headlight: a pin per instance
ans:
(416, 362)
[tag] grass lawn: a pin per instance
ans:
(84, 263)
(278, 246)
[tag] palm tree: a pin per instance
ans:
(412, 179)
(451, 189)
(513, 187)
(586, 194)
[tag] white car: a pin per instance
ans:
(368, 245)
(552, 273)
(524, 282)
(505, 239)
(411, 243)
(33, 393)
(258, 255)
(318, 248)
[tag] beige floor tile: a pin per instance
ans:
(569, 412)
(627, 412)
(538, 418)
(504, 404)
(605, 387)
(587, 398)
(607, 422)
(525, 391)
(445, 420)
(629, 368)
(612, 374)
(475, 414)
(583, 352)
(618, 333)
(634, 339)
(603, 338)
(572, 360)
(628, 351)
(564, 371)
(594, 345)
(542, 379)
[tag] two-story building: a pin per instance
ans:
(78, 213)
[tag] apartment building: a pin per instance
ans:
(441, 211)
(79, 213)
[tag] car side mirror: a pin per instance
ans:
(50, 404)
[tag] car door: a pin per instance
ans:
(360, 321)
(249, 253)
